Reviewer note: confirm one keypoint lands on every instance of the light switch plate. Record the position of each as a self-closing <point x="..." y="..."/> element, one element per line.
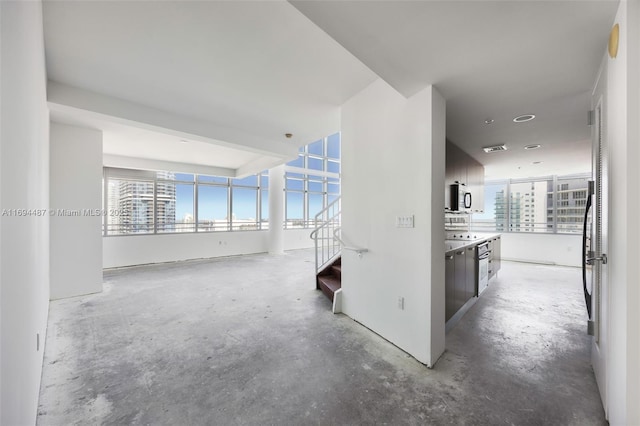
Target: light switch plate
<point x="404" y="221"/>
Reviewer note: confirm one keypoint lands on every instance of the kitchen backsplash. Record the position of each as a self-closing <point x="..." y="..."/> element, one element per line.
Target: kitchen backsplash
<point x="457" y="222"/>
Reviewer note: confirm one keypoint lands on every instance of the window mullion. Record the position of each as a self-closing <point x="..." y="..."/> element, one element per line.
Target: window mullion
<point x="196" y="204"/>
<point x="554" y="200"/>
<point x="155" y="205"/>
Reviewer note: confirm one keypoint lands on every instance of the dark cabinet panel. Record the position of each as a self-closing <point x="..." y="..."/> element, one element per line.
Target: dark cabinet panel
<point x="461" y="279"/>
<point x="472" y="273"/>
<point x="462" y="168"/>
<point x="450" y="280"/>
<point x="461" y="274"/>
<point x="497" y="254"/>
<point x="475" y="185"/>
<point x="494" y="256"/>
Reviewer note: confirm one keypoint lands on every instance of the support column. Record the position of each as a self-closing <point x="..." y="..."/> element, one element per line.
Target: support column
<point x="75" y="197"/>
<point x="276" y="210"/>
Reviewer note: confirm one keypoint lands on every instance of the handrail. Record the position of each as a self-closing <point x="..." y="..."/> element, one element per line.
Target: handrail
<point x="326" y="209"/>
<point x="323" y="225"/>
<point x="329" y="248"/>
<point x="358" y="250"/>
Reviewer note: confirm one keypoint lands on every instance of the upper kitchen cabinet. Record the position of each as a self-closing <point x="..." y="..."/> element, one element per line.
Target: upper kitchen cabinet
<point x="456" y="166"/>
<point x="462" y="168"/>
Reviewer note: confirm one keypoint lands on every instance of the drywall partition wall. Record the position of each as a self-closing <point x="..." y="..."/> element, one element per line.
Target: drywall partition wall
<point x="621" y="134"/>
<point x="1" y="204"/>
<point x="552" y="249"/>
<point x="76" y="216"/>
<point x="633" y="299"/>
<point x="393" y="152"/>
<point x="144" y="249"/>
<point x="24" y="177"/>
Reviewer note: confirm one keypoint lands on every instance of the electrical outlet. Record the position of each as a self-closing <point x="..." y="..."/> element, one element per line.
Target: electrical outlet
<point x="401" y="303"/>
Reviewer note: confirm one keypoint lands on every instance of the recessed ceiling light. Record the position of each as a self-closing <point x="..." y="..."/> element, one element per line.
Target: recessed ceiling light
<point x="523" y="118"/>
<point x="184" y="141"/>
<point x="288" y="135"/>
<point x="495" y="148"/>
<point x="533" y="146"/>
<point x="537" y="162"/>
<point x="489" y="121"/>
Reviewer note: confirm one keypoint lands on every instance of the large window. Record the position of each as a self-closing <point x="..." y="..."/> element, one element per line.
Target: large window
<point x="174" y="202"/>
<point x="244" y="203"/>
<point x="312" y="181"/>
<point x="542" y="205"/>
<point x="144" y="202"/>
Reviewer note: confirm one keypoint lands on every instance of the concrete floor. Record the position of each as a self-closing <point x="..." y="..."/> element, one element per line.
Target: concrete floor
<point x="248" y="340"/>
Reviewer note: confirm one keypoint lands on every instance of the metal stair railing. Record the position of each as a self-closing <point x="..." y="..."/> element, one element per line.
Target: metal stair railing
<point x="338" y="236"/>
<point x="327" y="244"/>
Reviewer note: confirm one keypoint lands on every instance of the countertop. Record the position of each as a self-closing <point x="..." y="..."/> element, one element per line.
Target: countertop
<point x="474" y="239"/>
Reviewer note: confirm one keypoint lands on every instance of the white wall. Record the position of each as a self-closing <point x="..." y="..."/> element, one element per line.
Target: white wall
<point x="24" y="171"/>
<point x="393" y="165"/>
<point x="140" y="250"/>
<point x="76" y="185"/>
<point x="144" y="249"/>
<point x="622" y="134"/>
<point x="554" y="249"/>
<point x="295" y="239"/>
<point x="633" y="300"/>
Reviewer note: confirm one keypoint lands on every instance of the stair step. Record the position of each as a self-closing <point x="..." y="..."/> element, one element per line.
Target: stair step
<point x="337" y="271"/>
<point x="329" y="284"/>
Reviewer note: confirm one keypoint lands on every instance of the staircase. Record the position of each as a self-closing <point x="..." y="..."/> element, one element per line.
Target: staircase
<point x="328" y="280"/>
<point x="328" y="249"/>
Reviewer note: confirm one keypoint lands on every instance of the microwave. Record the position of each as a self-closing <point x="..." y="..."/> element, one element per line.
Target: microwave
<point x="460" y="198"/>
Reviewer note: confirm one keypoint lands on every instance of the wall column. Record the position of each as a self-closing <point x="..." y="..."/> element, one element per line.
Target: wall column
<point x="276" y="210"/>
<point x="76" y="216"/>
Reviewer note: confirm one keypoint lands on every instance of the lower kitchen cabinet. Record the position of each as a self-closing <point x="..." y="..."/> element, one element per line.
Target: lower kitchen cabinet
<point x="472" y="273"/>
<point x="461" y="271"/>
<point x="497" y="254"/>
<point x="494" y="256"/>
<point x="459" y="279"/>
<point x="450" y="279"/>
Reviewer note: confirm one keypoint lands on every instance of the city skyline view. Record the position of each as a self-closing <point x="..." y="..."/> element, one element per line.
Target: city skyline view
<point x="188" y="202"/>
<point x="534" y="205"/>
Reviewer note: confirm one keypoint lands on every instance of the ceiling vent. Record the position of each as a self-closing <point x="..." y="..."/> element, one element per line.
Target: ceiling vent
<point x="495" y="148"/>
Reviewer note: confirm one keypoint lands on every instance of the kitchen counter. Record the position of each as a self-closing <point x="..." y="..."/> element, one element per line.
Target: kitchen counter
<point x="467" y="270"/>
<point x="458" y="241"/>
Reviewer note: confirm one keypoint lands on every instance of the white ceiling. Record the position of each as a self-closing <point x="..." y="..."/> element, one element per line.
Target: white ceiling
<point x="253" y="68"/>
<point x="489" y="59"/>
<point x="264" y="68"/>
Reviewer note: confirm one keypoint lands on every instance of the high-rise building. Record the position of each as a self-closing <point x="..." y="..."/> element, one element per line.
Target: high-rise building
<point x="525" y="209"/>
<point x="571" y="200"/>
<point x="135" y="205"/>
<point x="501" y="211"/>
<point x="530" y="206"/>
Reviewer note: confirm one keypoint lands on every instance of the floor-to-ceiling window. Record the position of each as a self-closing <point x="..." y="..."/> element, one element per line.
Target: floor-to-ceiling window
<point x="146" y="202"/>
<point x="553" y="204"/>
<point x="312" y="182"/>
